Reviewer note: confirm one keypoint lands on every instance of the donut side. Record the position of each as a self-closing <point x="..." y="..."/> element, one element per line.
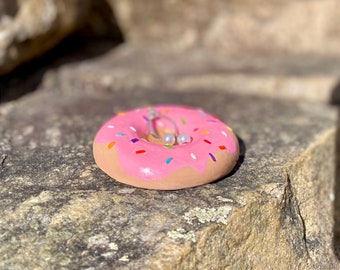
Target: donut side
<point x="219" y="165"/>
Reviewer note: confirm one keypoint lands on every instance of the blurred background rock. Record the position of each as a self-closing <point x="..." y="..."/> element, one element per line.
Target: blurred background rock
<point x="30" y="28"/>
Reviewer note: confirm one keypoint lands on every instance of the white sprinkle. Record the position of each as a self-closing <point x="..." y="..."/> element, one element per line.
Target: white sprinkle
<point x="132" y="128"/>
<point x="193" y="156"/>
<point x="110" y="126"/>
<point x="201" y="112"/>
<point x="146" y="171"/>
<point x="225" y="134"/>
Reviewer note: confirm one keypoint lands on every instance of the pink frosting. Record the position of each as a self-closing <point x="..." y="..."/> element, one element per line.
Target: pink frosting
<point x="150" y="161"/>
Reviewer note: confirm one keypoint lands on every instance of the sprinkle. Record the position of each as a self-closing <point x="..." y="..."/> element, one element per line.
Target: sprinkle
<point x="132" y="128"/>
<point x="222" y="147"/>
<point x="165" y="111"/>
<point x="183" y="121"/>
<point x="140" y="151"/>
<point x="212" y="121"/>
<point x="121" y="113"/>
<point x="111" y="126"/>
<point x="205" y="131"/>
<point x="208" y="142"/>
<point x="110" y="145"/>
<point x="168" y="160"/>
<point x="212" y="157"/>
<point x="224" y="134"/>
<point x="120" y="134"/>
<point x="169" y="146"/>
<point x="196" y="129"/>
<point x="146" y="118"/>
<point x="193" y="156"/>
<point x="134" y="140"/>
<point x="229" y="128"/>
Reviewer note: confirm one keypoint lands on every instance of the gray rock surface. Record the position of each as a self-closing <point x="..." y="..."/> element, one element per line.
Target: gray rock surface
<point x="35" y="27"/>
<point x="59" y="211"/>
<point x="296" y="27"/>
<point x="30" y="28"/>
<point x="275" y="76"/>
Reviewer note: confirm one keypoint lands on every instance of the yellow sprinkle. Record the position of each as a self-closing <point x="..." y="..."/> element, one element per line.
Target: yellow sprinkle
<point x="205" y="131"/>
<point x="121" y="113"/>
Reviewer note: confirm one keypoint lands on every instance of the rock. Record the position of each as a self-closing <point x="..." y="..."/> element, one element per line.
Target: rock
<point x="274" y="76"/>
<point x="32" y="27"/>
<point x="60" y="211"/>
<point x="230" y="26"/>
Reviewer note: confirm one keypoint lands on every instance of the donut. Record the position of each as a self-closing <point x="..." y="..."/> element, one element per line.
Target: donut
<point x="130" y="151"/>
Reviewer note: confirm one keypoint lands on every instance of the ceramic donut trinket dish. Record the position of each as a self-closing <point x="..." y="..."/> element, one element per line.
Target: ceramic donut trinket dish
<point x="165" y="147"/>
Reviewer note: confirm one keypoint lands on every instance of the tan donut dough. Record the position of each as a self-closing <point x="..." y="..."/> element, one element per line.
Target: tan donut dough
<point x="181" y="178"/>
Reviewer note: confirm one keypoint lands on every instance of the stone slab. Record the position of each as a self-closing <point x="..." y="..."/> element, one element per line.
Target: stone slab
<point x="292" y="27"/>
<point x="60" y="211"/>
<point x="295" y="77"/>
<point x="29" y="29"/>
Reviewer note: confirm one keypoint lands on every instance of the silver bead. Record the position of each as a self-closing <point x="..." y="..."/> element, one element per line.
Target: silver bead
<point x="169" y="139"/>
<point x="183" y="138"/>
<point x="152" y="114"/>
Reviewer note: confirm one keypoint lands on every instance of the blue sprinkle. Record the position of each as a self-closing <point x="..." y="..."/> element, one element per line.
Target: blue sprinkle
<point x="145" y="118"/>
<point x="134" y="140"/>
<point x="168" y="160"/>
<point x="120" y="134"/>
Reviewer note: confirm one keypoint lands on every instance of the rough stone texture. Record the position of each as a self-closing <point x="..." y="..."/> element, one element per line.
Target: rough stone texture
<point x="29" y="28"/>
<point x="234" y="26"/>
<point x="275" y="76"/>
<point x="60" y="211"/>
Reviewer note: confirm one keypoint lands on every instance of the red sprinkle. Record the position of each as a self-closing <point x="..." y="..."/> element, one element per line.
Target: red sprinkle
<point x="140" y="151"/>
<point x="196" y="129"/>
<point x="209" y="142"/>
<point x="222" y="147"/>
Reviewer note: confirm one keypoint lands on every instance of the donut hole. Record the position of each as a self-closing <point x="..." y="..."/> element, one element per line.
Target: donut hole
<point x="150" y="138"/>
<point x="162" y="126"/>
